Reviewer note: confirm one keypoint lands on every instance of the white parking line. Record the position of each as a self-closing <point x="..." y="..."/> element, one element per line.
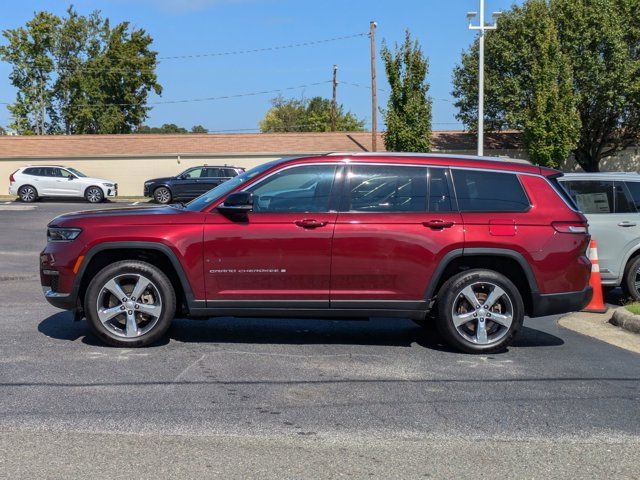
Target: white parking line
<point x="7" y="203"/>
<point x="134" y="203"/>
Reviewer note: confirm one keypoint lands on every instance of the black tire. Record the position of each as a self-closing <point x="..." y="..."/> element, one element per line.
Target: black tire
<point x="162" y="195"/>
<point x="148" y="329"/>
<point x="94" y="194"/>
<point x="28" y="194"/>
<point x="629" y="281"/>
<point x="508" y="304"/>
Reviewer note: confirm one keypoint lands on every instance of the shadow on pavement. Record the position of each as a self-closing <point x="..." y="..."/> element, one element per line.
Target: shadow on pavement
<point x="378" y="331"/>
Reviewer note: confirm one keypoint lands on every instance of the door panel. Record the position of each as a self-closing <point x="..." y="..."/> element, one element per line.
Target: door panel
<point x="280" y="252"/>
<point x="387" y="244"/>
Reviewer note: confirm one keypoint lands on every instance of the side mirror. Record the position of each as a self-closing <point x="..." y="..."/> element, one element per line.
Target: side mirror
<point x="71" y="177"/>
<point x="239" y="202"/>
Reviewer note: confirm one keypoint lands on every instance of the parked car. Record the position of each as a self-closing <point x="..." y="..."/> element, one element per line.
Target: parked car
<point x="33" y="182"/>
<point x="190" y="184"/>
<point x="474" y="244"/>
<point x="611" y="203"/>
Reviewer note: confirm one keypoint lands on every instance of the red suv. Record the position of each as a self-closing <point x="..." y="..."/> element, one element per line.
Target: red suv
<point x="473" y="244"/>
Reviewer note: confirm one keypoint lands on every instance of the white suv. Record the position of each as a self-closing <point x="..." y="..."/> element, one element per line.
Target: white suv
<point x="33" y="182"/>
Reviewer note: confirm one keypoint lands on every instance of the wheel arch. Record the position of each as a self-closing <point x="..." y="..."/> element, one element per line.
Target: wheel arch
<point x="157" y="254"/>
<point x="507" y="262"/>
<point x="93" y="185"/>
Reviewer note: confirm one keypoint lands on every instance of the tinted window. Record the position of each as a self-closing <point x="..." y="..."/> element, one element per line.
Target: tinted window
<point x="48" y="172"/>
<point x="592" y="196"/>
<point x="634" y="190"/>
<point x="211" y="172"/>
<point x="193" y="173"/>
<point x="33" y="171"/>
<point x="299" y="189"/>
<point x="479" y="191"/>
<point x="228" y="172"/>
<point x="439" y="197"/>
<point x="623" y="203"/>
<point x="379" y="188"/>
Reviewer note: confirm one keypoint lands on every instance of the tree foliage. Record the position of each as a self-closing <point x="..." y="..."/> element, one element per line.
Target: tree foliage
<point x="307" y="115"/>
<point x="566" y="73"/>
<point x="408" y="112"/>
<point x="78" y="74"/>
<point x="171" y="128"/>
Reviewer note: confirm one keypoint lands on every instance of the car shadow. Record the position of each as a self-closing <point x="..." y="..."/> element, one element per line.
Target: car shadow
<point x="378" y="331"/>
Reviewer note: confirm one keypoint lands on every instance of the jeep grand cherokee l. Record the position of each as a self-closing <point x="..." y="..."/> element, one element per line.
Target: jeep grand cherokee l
<point x="474" y="244"/>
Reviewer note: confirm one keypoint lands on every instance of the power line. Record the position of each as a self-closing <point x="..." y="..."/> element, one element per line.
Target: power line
<point x="213" y="54"/>
<point x="191" y="100"/>
<point x="354" y="84"/>
<point x="266" y="49"/>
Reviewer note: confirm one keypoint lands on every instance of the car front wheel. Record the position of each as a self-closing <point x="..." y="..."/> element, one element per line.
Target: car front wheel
<point x="94" y="195"/>
<point x="479" y="311"/>
<point x="130" y="304"/>
<point x="162" y="195"/>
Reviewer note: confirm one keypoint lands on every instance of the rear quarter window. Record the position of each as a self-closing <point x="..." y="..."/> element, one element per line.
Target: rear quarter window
<point x="481" y="191"/>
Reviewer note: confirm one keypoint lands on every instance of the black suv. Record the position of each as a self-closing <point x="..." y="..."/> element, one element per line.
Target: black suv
<point x="190" y="184"/>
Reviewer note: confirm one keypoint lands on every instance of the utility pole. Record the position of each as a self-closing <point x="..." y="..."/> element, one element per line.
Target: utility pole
<point x="334" y="103"/>
<point x="481" y="27"/>
<point x="374" y="90"/>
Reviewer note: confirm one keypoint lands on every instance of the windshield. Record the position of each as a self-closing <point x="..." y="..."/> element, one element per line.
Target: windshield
<point x="76" y="172"/>
<point x="221" y="190"/>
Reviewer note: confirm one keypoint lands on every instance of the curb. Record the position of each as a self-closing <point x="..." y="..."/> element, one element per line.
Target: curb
<point x="623" y="318"/>
<point x="599" y="326"/>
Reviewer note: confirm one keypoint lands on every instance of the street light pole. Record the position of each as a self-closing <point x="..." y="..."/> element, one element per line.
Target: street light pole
<point x="481" y="27"/>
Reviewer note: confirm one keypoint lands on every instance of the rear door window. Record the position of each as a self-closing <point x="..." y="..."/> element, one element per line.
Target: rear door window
<point x="36" y="171"/>
<point x="482" y="191"/>
<point x="439" y="195"/>
<point x="623" y="203"/>
<point x="386" y="188"/>
<point x="592" y="196"/>
<point x="634" y="191"/>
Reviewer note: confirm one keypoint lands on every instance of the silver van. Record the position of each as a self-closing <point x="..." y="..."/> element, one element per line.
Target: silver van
<point x="611" y="203"/>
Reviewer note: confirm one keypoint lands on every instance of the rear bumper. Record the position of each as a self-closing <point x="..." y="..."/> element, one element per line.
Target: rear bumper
<point x="554" y="303"/>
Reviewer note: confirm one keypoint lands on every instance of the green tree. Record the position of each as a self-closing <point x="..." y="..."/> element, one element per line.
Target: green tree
<point x="199" y="129"/>
<point x="566" y="73"/>
<point x="165" y="128"/>
<point x="307" y="115"/>
<point x="78" y="75"/>
<point x="408" y="112"/>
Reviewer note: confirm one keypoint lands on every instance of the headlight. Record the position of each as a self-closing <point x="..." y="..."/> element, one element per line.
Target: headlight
<point x="55" y="234"/>
<point x="108" y="185"/>
<point x="147" y="183"/>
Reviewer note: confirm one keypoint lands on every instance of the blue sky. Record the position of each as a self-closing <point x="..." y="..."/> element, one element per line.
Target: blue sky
<point x="183" y="27"/>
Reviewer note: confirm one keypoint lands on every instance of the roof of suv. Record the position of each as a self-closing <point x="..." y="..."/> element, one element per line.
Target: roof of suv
<point x="634" y="176"/>
<point x="444" y="159"/>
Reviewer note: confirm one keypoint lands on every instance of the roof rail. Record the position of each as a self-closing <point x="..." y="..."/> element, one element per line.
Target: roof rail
<point x="427" y="155"/>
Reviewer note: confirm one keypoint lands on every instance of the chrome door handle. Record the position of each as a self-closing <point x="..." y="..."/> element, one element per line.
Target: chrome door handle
<point x="627" y="224"/>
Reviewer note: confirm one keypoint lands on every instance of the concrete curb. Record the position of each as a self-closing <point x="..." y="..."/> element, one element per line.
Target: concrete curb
<point x="623" y="318"/>
<point x="598" y="326"/>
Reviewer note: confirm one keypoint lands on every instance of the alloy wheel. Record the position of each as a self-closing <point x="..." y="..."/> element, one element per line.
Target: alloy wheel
<point x="163" y="195"/>
<point x="482" y="313"/>
<point x="129" y="305"/>
<point x="94" y="195"/>
<point x="27" y="194"/>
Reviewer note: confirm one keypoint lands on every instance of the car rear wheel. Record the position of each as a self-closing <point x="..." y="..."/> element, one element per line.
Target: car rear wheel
<point x="479" y="311"/>
<point x="28" y="194"/>
<point x="162" y="195"/>
<point x="94" y="195"/>
<point x="130" y="304"/>
<point x="631" y="281"/>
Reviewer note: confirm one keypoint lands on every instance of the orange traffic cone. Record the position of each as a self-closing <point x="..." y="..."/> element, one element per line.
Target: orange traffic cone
<point x="596" y="305"/>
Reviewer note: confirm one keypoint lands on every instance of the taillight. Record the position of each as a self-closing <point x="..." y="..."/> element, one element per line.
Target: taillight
<point x="570" y="227"/>
<point x="11" y="179"/>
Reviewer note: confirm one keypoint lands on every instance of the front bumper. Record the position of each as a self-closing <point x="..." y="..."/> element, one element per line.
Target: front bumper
<point x="112" y="191"/>
<point x="555" y="303"/>
<point x="65" y="301"/>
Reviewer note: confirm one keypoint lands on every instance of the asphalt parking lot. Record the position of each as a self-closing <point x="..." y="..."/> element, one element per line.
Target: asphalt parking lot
<point x="297" y="398"/>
